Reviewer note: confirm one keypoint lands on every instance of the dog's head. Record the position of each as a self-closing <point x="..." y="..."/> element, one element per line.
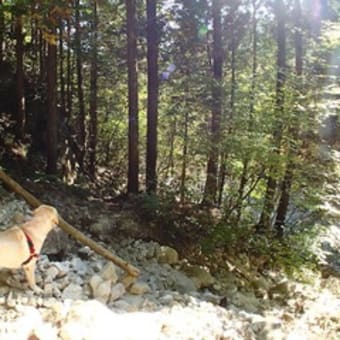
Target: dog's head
<point x="47" y="212"/>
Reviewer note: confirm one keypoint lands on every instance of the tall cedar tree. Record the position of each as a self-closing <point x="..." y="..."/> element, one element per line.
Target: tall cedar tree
<point x="265" y="222"/>
<point x="152" y="56"/>
<point x="93" y="95"/>
<point x="52" y="121"/>
<point x="133" y="166"/>
<point x="61" y="70"/>
<point x="81" y="115"/>
<point x="2" y="30"/>
<point x="246" y="160"/>
<point x="289" y="173"/>
<point x="20" y="90"/>
<point x="211" y="181"/>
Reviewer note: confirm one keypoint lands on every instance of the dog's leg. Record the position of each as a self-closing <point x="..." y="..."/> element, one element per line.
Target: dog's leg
<point x="30" y="275"/>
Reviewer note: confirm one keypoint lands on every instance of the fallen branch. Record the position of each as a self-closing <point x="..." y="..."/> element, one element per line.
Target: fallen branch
<point x="78" y="235"/>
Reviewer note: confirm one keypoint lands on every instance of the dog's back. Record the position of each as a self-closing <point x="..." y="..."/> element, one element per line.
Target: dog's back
<point x="13" y="248"/>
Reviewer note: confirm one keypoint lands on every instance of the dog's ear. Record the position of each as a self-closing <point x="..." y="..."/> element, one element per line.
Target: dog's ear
<point x="49" y="211"/>
<point x="36" y="211"/>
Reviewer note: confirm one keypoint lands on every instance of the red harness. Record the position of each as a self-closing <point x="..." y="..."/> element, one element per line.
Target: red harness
<point x="31" y="248"/>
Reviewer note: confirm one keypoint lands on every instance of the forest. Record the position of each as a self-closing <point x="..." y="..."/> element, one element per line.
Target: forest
<point x="188" y="152"/>
<point x="218" y="118"/>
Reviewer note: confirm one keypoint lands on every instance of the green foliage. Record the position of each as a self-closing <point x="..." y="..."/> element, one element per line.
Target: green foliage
<point x="293" y="254"/>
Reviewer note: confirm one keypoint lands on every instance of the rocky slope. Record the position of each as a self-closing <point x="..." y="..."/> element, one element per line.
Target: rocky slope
<point x="86" y="297"/>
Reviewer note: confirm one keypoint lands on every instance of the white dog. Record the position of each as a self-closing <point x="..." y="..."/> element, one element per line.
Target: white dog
<point x="20" y="245"/>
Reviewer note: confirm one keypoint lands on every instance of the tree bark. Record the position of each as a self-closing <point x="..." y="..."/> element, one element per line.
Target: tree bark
<point x="184" y="151"/>
<point x="212" y="167"/>
<point x="265" y="222"/>
<point x="61" y="71"/>
<point x="20" y="86"/>
<point x="282" y="208"/>
<point x="2" y="31"/>
<point x="224" y="153"/>
<point x="69" y="73"/>
<point x="42" y="57"/>
<point x="92" y="143"/>
<point x="52" y="119"/>
<point x="152" y="114"/>
<point x="79" y="236"/>
<point x="246" y="160"/>
<point x="81" y="104"/>
<point x="133" y="166"/>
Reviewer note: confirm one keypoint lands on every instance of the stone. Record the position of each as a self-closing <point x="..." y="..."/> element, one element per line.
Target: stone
<point x="168" y="255"/>
<point x="48" y="289"/>
<point x="57" y="242"/>
<point x="128" y="280"/>
<point x="72" y="291"/>
<point x="102" y="291"/>
<point x="103" y="226"/>
<point x="122" y="305"/>
<point x="134" y="301"/>
<point x="182" y="283"/>
<point x="51" y="273"/>
<point x="166" y="299"/>
<point x="201" y="276"/>
<point x="109" y="272"/>
<point x="139" y="288"/>
<point x="79" y="266"/>
<point x="62" y="267"/>
<point x="117" y="291"/>
<point x="246" y="301"/>
<point x="95" y="281"/>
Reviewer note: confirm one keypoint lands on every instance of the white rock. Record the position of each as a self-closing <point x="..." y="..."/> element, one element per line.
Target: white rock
<point x="122" y="306"/>
<point x="79" y="266"/>
<point x="95" y="281"/>
<point x="48" y="289"/>
<point x="103" y="291"/>
<point x="72" y="291"/>
<point x="117" y="291"/>
<point x="139" y="288"/>
<point x="134" y="301"/>
<point x="51" y="273"/>
<point x="109" y="272"/>
<point x="166" y="299"/>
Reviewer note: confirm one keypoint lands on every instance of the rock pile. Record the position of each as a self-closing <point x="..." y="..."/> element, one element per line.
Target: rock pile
<point x="86" y="297"/>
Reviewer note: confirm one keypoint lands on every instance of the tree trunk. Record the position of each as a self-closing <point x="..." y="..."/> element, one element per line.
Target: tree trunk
<point x="93" y="96"/>
<point x="265" y="222"/>
<point x="246" y="161"/>
<point x="42" y="57"/>
<point x="224" y="155"/>
<point x="69" y="73"/>
<point x="133" y="167"/>
<point x="2" y="31"/>
<point x="52" y="121"/>
<point x="20" y="86"/>
<point x="34" y="38"/>
<point x="282" y="208"/>
<point x="211" y="181"/>
<point x="61" y="71"/>
<point x="152" y="114"/>
<point x="81" y="116"/>
<point x="184" y="152"/>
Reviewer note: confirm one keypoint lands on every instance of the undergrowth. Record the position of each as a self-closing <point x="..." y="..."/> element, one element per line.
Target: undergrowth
<point x="188" y="225"/>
